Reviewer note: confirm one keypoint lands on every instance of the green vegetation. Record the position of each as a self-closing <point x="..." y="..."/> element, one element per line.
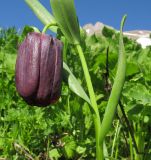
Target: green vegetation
<point x="59" y="130"/>
<point x="66" y="130"/>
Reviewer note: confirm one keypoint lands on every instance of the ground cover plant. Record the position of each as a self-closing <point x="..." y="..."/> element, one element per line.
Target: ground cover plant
<point x="72" y="128"/>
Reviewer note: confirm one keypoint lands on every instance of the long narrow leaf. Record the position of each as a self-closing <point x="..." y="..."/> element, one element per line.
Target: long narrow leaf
<point x="65" y="14"/>
<point x="117" y="87"/>
<point x="42" y="13"/>
<point x="74" y="84"/>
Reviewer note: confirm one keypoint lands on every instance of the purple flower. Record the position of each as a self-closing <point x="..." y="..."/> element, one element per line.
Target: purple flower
<point x="39" y="69"/>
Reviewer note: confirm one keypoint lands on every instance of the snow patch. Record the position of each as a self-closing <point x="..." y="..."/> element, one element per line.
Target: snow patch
<point x="144" y="41"/>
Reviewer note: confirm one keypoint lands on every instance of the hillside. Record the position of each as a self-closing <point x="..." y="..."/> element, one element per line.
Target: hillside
<point x="140" y="36"/>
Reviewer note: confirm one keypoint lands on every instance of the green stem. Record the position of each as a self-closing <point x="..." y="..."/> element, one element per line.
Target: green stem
<point x="140" y="141"/>
<point x="47" y="27"/>
<point x="117" y="130"/>
<point x="96" y="116"/>
<point x="131" y="147"/>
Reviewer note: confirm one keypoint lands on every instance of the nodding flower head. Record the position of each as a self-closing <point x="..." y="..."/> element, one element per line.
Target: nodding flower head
<point x="39" y="69"/>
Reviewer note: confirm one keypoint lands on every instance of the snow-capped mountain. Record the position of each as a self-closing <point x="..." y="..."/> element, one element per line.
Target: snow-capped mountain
<point x="140" y="36"/>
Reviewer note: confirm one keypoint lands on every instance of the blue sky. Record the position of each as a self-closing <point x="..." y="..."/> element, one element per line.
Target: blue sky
<point x="17" y="13"/>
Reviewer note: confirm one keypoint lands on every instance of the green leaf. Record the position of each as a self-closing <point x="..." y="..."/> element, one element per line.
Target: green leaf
<point x="146" y="119"/>
<point x="88" y="120"/>
<point x="74" y="84"/>
<point x="131" y="69"/>
<point x="54" y="154"/>
<point x="10" y="60"/>
<point x="108" y="32"/>
<point x="41" y="12"/>
<point x="146" y="111"/>
<point x="117" y="87"/>
<point x="65" y="14"/>
<point x="134" y="109"/>
<point x="80" y="149"/>
<point x="70" y="146"/>
<point x="91" y="40"/>
<point x="138" y="92"/>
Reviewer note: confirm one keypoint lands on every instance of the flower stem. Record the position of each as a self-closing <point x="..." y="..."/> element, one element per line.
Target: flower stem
<point x="47" y="27"/>
<point x="96" y="116"/>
